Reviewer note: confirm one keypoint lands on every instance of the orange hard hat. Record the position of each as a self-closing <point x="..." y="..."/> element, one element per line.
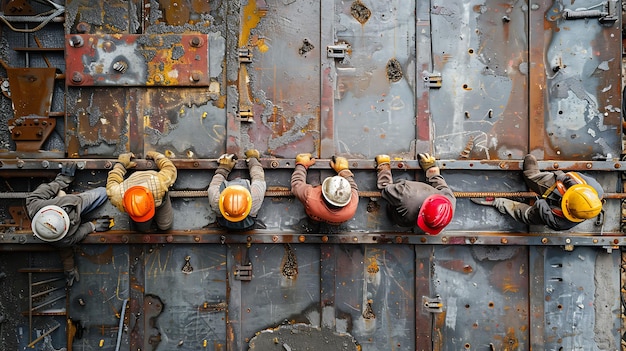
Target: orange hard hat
<point x="436" y="212"/>
<point x="139" y="203"/>
<point x="235" y="203"/>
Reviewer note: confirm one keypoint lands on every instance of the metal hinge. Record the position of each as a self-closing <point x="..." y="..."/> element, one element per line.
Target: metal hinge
<point x="338" y="51"/>
<point x="245" y="115"/>
<point x="243" y="272"/>
<point x="433" y="79"/>
<point x="432" y="304"/>
<point x="245" y="55"/>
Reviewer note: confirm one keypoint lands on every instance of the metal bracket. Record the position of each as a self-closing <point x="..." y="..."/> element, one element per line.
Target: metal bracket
<point x="245" y="115"/>
<point x="243" y="272"/>
<point x="245" y="55"/>
<point x="432" y="304"/>
<point x="608" y="14"/>
<point x="433" y="80"/>
<point x="337" y="51"/>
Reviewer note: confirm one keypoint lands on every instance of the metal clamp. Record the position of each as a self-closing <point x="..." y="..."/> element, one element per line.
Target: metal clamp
<point x="433" y="79"/>
<point x="245" y="55"/>
<point x="432" y="304"/>
<point x="243" y="272"/>
<point x="338" y="51"/>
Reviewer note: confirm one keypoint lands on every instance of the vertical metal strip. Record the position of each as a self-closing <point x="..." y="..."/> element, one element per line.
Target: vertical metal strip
<point x="423" y="320"/>
<point x="328" y="81"/>
<point x="233" y="16"/>
<point x="137" y="281"/>
<point x="234" y="297"/>
<point x="136" y="123"/>
<point x="423" y="70"/>
<point x="328" y="277"/>
<point x="536" y="262"/>
<point x="537" y="94"/>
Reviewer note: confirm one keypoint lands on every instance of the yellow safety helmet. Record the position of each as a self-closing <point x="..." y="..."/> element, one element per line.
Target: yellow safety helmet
<point x="235" y="203"/>
<point x="581" y="202"/>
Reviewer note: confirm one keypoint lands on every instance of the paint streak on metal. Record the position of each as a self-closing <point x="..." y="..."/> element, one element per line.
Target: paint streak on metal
<point x="252" y="15"/>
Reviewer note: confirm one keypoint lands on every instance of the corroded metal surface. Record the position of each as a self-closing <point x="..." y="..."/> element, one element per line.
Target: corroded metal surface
<point x="136" y="60"/>
<point x="478" y="84"/>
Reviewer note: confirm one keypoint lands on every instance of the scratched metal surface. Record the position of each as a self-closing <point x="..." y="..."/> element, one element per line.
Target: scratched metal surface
<point x="516" y="77"/>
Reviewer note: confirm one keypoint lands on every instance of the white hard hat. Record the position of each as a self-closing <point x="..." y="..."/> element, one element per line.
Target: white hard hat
<point x="50" y="223"/>
<point x="337" y="190"/>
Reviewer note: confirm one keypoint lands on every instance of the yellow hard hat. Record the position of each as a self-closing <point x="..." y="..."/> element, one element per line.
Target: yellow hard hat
<point x="235" y="203"/>
<point x="581" y="202"/>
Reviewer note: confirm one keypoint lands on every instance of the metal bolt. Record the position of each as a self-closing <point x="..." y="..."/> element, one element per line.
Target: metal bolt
<point x="195" y="76"/>
<point x="76" y="41"/>
<point x="77" y="77"/>
<point x="45" y="164"/>
<point x="274" y="164"/>
<point x="120" y="66"/>
<point x="195" y="42"/>
<point x="83" y="27"/>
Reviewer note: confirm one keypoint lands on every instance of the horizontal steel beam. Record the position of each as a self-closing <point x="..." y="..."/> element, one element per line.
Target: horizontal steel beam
<point x="360" y="164"/>
<point x="609" y="241"/>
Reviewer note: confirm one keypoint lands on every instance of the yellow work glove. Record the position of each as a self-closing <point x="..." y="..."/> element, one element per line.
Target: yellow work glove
<point x="305" y="159"/>
<point x="125" y="160"/>
<point x="253" y="153"/>
<point x="227" y="161"/>
<point x="339" y="163"/>
<point x="383" y="162"/>
<point x="426" y="161"/>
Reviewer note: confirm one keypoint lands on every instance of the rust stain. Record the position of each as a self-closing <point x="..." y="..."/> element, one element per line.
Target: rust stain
<point x="373" y="268"/>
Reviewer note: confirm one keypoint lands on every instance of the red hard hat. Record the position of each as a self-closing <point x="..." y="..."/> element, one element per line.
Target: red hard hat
<point x="436" y="212"/>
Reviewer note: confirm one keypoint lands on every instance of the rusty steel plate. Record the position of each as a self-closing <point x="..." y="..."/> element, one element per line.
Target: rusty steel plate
<point x="137" y="60"/>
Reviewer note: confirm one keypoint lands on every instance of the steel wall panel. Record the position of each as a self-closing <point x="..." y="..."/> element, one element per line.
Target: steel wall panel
<point x="374" y="107"/>
<point x="97" y="299"/>
<point x="575" y="299"/>
<point x="279" y="96"/>
<point x="484" y="291"/>
<point x="191" y="284"/>
<point x="576" y="79"/>
<point x="480" y="49"/>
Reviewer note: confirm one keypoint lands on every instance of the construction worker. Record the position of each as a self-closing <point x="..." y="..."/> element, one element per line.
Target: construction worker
<point x="236" y="202"/>
<point x="334" y="201"/>
<point x="566" y="198"/>
<point x="56" y="217"/>
<point x="430" y="205"/>
<point x="144" y="194"/>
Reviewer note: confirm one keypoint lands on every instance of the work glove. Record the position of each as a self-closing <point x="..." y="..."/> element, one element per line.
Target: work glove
<point x="428" y="164"/>
<point x="227" y="161"/>
<point x="383" y="162"/>
<point x="125" y="160"/>
<point x="102" y="224"/>
<point x="426" y="161"/>
<point x="305" y="159"/>
<point x="153" y="155"/>
<point x="63" y="180"/>
<point x="71" y="276"/>
<point x="68" y="169"/>
<point x="253" y="153"/>
<point x="338" y="163"/>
